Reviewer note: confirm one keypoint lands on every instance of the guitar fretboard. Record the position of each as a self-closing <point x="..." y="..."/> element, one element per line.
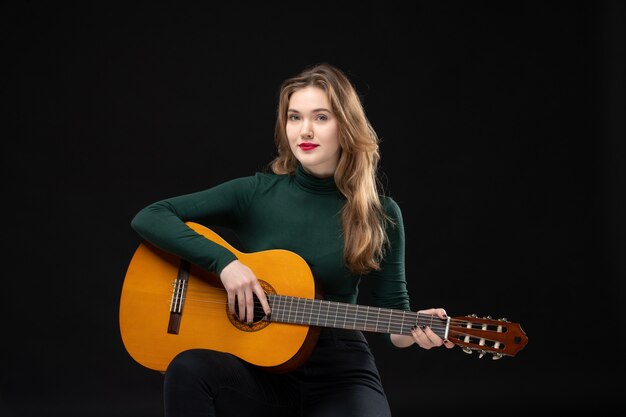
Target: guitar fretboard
<point x="314" y="312"/>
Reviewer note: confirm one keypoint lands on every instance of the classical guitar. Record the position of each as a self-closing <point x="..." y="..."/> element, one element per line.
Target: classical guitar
<point x="168" y="305"/>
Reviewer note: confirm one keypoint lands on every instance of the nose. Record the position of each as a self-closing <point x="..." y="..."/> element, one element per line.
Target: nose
<point x="306" y="132"/>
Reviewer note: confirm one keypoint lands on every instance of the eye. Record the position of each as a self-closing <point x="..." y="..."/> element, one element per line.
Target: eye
<point x="322" y="117"/>
<point x="293" y="117"/>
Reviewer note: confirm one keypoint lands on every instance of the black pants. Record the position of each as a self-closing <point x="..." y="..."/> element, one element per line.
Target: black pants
<point x="339" y="379"/>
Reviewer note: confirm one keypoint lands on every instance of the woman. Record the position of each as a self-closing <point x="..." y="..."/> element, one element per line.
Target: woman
<point x="321" y="201"/>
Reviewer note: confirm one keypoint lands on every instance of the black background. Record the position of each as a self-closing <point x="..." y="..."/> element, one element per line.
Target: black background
<point x="502" y="127"/>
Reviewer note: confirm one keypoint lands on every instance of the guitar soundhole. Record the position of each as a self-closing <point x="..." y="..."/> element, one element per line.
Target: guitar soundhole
<point x="258" y="322"/>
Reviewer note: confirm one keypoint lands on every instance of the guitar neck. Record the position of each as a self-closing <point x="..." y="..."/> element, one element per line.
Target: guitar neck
<point x="322" y="313"/>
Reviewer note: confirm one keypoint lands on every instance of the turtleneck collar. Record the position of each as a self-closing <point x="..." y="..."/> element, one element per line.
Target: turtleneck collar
<point x="314" y="184"/>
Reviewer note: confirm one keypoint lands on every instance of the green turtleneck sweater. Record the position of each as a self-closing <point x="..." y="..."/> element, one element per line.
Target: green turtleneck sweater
<point x="300" y="213"/>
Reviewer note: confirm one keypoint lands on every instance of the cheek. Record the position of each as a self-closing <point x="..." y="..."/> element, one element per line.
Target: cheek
<point x="292" y="133"/>
<point x="331" y="137"/>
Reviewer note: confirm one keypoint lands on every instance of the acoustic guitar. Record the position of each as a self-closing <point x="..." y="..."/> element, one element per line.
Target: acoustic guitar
<point x="168" y="305"/>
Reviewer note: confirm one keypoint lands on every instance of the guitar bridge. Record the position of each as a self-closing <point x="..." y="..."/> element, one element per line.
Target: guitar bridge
<point x="178" y="297"/>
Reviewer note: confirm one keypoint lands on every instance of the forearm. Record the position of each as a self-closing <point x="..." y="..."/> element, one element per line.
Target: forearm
<point x="161" y="225"/>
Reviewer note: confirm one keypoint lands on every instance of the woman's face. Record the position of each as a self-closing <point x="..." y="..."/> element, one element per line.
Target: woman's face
<point x="313" y="131"/>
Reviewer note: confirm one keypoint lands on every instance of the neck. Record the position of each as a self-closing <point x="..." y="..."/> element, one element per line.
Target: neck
<point x="319" y="172"/>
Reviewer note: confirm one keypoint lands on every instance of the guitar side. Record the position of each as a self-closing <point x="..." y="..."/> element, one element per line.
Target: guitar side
<point x="146" y="301"/>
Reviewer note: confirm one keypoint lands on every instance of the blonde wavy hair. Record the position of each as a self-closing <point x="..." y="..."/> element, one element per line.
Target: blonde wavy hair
<point x="363" y="217"/>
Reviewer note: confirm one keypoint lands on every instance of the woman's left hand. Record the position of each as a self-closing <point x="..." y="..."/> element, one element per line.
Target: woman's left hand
<point x="425" y="337"/>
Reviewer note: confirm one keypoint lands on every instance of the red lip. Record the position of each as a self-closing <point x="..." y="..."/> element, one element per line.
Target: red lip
<point x="307" y="146"/>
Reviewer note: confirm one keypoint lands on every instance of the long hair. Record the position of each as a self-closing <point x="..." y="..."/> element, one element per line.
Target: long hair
<point x="362" y="216"/>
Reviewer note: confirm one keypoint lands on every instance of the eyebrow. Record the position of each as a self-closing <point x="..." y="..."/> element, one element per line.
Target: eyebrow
<point x="313" y="111"/>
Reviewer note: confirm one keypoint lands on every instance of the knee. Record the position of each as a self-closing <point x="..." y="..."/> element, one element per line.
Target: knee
<point x="198" y="365"/>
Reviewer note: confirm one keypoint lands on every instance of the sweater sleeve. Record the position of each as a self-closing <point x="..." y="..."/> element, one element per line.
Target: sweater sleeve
<point x="163" y="223"/>
<point x="389" y="288"/>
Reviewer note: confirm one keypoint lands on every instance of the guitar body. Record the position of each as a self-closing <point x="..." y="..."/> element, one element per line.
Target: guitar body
<point x="145" y="309"/>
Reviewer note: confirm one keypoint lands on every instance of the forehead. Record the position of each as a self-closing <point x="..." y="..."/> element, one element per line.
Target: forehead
<point x="308" y="99"/>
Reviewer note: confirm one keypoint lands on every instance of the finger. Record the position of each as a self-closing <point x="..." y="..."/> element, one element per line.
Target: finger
<point x="241" y="303"/>
<point x="447" y="343"/>
<point x="439" y="312"/>
<point x="415" y="335"/>
<point x="260" y="293"/>
<point x="432" y="337"/>
<point x="249" y="306"/>
<point x="420" y="338"/>
<point x="231" y="302"/>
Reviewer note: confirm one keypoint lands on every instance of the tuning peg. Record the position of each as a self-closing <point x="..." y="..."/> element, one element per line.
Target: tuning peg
<point x="503" y="319"/>
<point x="496" y="356"/>
<point x="487" y="317"/>
<point x="467" y="350"/>
<point x="481" y="354"/>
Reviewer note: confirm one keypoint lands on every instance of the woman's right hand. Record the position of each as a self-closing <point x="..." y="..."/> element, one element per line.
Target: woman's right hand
<point x="241" y="285"/>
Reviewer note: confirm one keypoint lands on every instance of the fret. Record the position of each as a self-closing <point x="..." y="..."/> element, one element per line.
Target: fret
<point x="412" y="317"/>
<point x="396" y="328"/>
<point x="311" y="312"/>
<point x="319" y="312"/>
<point x="295" y="320"/>
<point x="347" y="317"/>
<point x="359" y="322"/>
<point x="307" y="309"/>
<point x="356" y="314"/>
<point x="289" y="313"/>
<point x="313" y="306"/>
<point x="303" y="311"/>
<point x="389" y="328"/>
<point x="396" y="322"/>
<point x="319" y="309"/>
<point x="284" y="316"/>
<point x="283" y="307"/>
<point x="328" y="306"/>
<point x="388" y="313"/>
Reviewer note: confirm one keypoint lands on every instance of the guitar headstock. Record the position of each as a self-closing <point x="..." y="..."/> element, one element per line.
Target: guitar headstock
<point x="499" y="337"/>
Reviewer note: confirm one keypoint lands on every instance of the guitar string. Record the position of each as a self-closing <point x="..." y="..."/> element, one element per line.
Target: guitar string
<point x="395" y="322"/>
<point x="460" y="322"/>
<point x="258" y="309"/>
<point x="290" y="299"/>
<point x="458" y="330"/>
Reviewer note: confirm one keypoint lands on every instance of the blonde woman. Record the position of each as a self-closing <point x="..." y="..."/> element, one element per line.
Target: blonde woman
<point x="320" y="199"/>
